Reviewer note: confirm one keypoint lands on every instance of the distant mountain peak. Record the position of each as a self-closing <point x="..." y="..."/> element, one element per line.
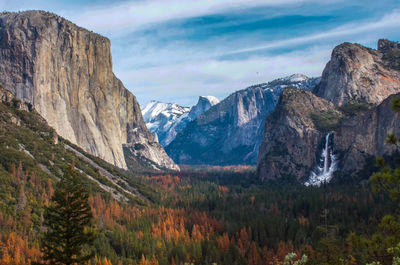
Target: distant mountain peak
<point x="203" y="104"/>
<point x="166" y="120"/>
<point x="297" y="78"/>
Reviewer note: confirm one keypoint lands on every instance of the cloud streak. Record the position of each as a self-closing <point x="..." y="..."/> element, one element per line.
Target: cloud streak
<point x="135" y="14"/>
<point x="390" y="21"/>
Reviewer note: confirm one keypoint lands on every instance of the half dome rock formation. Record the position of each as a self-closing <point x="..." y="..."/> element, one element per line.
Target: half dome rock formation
<point x="359" y="74"/>
<point x="66" y="73"/>
<point x="293" y="134"/>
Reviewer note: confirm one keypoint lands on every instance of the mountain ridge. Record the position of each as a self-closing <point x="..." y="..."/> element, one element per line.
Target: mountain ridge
<point x="230" y="132"/>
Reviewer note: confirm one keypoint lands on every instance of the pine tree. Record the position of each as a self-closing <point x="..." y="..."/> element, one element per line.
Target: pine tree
<point x="68" y="220"/>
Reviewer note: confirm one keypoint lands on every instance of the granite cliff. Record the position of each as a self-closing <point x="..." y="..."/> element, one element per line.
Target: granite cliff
<point x="359" y="74"/>
<point x="65" y="72"/>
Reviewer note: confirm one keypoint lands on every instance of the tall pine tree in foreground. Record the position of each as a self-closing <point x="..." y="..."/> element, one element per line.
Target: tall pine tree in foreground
<point x="68" y="220"/>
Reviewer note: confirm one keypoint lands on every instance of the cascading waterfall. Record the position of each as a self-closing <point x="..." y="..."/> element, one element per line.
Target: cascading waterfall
<point x="324" y="171"/>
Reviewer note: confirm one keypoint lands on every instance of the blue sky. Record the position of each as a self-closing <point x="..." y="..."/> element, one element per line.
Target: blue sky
<point x="176" y="50"/>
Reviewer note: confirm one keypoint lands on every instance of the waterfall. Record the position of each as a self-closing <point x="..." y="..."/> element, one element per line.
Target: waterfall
<point x="323" y="172"/>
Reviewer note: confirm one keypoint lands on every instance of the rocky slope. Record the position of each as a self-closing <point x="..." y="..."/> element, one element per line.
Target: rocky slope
<point x="308" y="134"/>
<point x="65" y="72"/>
<point x="356" y="73"/>
<point x="166" y="120"/>
<point x="231" y="131"/>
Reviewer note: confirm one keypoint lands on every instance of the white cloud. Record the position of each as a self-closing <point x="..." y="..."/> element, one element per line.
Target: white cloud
<point x="138" y="13"/>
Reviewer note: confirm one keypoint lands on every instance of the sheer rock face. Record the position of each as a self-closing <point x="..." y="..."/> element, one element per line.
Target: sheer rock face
<point x="291" y="137"/>
<point x="361" y="138"/>
<point x="66" y="73"/>
<point x="356" y="73"/>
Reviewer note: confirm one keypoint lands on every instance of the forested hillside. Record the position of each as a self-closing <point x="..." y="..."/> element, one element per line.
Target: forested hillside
<point x="220" y="215"/>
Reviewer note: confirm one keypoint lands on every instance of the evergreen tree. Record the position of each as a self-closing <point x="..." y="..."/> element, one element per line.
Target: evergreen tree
<point x="68" y="220"/>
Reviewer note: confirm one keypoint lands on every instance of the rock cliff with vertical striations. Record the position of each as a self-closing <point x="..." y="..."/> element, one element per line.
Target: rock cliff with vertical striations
<point x="66" y="73"/>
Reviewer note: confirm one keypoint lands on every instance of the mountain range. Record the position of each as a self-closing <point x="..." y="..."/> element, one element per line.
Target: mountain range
<point x="230" y="132"/>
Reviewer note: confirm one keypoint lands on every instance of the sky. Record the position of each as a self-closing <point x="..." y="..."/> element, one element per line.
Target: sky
<point x="177" y="50"/>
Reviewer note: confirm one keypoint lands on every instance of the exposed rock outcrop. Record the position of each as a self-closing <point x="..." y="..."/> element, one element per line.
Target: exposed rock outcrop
<point x="294" y="133"/>
<point x="66" y="73"/>
<point x="356" y="73"/>
<point x="231" y="131"/>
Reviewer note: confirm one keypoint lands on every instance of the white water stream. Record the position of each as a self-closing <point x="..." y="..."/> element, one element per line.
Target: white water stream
<point x="323" y="173"/>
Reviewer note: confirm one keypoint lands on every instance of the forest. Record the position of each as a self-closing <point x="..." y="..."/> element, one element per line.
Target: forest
<point x="202" y="215"/>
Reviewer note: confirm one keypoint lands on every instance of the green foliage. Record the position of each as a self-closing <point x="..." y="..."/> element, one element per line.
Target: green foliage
<point x="396" y="104"/>
<point x="351" y="109"/>
<point x="392" y="59"/>
<point x="326" y="120"/>
<point x="68" y="221"/>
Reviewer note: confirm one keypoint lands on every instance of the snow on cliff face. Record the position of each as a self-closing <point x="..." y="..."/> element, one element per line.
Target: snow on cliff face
<point x="166" y="120"/>
<point x="203" y="104"/>
<point x="160" y="116"/>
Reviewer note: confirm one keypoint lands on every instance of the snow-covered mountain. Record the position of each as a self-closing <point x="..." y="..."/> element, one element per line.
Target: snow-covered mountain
<point x="166" y="120"/>
<point x="231" y="132"/>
